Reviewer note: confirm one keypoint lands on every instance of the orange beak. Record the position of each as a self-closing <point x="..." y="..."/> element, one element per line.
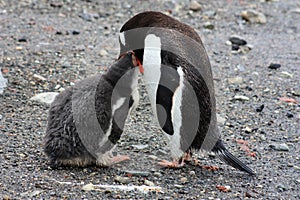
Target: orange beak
<point x="141" y="68"/>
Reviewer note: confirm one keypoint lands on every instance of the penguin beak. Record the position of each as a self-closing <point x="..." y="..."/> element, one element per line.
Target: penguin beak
<point x="141" y="68"/>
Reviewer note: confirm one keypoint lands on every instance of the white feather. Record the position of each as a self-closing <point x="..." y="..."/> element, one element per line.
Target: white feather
<point x="122" y="38"/>
<point x="152" y="65"/>
<point x="176" y="151"/>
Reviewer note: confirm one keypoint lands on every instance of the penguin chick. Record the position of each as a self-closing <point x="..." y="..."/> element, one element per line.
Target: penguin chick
<point x="86" y="120"/>
<point x="178" y="79"/>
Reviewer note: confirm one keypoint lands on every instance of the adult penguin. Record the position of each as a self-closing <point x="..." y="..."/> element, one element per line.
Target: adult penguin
<point x="179" y="82"/>
<point x="86" y="120"/>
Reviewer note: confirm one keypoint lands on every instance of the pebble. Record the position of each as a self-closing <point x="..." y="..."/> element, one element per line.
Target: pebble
<point x="286" y="74"/>
<point x="208" y="25"/>
<point x="260" y="108"/>
<point x="39" y="77"/>
<point x="149" y="183"/>
<point x="235" y="39"/>
<point x="157" y="174"/>
<point x="121" y="179"/>
<point x="22" y="40"/>
<point x="195" y="6"/>
<point x="45" y="97"/>
<point x="3" y="82"/>
<point x="183" y="180"/>
<point x="274" y="66"/>
<point x="289" y="115"/>
<point x="88" y="187"/>
<point x="153" y="157"/>
<point x="192" y="173"/>
<point x="241" y="98"/>
<point x="248" y="129"/>
<point x="280" y="147"/>
<point x="19" y="48"/>
<point x="103" y="53"/>
<point x="140" y="146"/>
<point x="138" y="173"/>
<point x="235" y="80"/>
<point x="253" y="16"/>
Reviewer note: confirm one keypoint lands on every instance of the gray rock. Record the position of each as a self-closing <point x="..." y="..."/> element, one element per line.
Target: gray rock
<point x="45" y="97"/>
<point x="253" y="16"/>
<point x="138" y="173"/>
<point x="208" y="25"/>
<point x="121" y="179"/>
<point x="235" y="39"/>
<point x="195" y="6"/>
<point x="280" y="147"/>
<point x="235" y="80"/>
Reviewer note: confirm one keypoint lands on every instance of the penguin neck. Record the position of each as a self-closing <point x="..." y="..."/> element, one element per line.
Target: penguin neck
<point x="116" y="72"/>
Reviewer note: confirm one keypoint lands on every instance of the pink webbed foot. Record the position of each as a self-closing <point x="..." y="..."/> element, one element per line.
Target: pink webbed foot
<point x="174" y="164"/>
<point x="119" y="158"/>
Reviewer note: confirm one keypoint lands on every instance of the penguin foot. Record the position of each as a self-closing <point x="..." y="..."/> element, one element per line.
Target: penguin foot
<point x="174" y="164"/>
<point x="119" y="158"/>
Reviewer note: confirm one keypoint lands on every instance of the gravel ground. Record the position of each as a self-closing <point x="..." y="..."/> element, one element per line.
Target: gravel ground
<point x="65" y="41"/>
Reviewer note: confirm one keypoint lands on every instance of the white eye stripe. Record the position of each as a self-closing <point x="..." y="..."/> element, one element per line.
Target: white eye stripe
<point x="122" y="38"/>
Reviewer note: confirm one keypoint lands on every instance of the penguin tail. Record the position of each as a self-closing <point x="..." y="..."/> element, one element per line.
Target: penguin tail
<point x="224" y="155"/>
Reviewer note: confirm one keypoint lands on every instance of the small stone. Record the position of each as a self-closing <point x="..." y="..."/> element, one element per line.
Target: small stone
<point x="88" y="187"/>
<point x="296" y="10"/>
<point x="19" y="48"/>
<point x="260" y="108"/>
<point x="153" y="157"/>
<point x="138" y="173"/>
<point x="75" y="32"/>
<point x="6" y="197"/>
<point x="183" y="180"/>
<point x="103" y="53"/>
<point x="157" y="174"/>
<point x="56" y="4"/>
<point x="280" y="147"/>
<point x="22" y="40"/>
<point x="208" y="25"/>
<point x="149" y="183"/>
<point x="195" y="6"/>
<point x="297" y="181"/>
<point x="235" y="39"/>
<point x="140" y="146"/>
<point x="192" y="173"/>
<point x="286" y="74"/>
<point x="289" y="115"/>
<point x="248" y="129"/>
<point x="241" y="98"/>
<point x="39" y="77"/>
<point x="274" y="66"/>
<point x="235" y="80"/>
<point x="178" y="186"/>
<point x="46" y="97"/>
<point x="253" y="16"/>
<point x="121" y="179"/>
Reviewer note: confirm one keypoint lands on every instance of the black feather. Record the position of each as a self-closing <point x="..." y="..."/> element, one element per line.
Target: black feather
<point x="221" y="151"/>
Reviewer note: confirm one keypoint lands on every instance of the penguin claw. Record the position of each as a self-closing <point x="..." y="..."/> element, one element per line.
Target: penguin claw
<point x="119" y="158"/>
<point x="173" y="164"/>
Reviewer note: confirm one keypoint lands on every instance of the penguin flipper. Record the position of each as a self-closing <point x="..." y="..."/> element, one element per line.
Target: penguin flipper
<point x="220" y="150"/>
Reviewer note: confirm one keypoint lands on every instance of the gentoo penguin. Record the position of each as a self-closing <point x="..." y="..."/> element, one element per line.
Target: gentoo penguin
<point x="86" y="120"/>
<point x="178" y="79"/>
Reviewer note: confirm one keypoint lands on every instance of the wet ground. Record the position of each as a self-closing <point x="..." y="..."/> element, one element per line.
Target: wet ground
<point x="65" y="41"/>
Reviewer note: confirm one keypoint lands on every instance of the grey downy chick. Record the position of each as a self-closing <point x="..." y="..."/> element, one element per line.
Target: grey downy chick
<point x="86" y="120"/>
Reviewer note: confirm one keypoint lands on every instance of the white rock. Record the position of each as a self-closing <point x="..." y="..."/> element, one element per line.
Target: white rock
<point x="235" y="80"/>
<point x="286" y="74"/>
<point x="149" y="183"/>
<point x="88" y="187"/>
<point x="3" y="82"/>
<point x="103" y="53"/>
<point x="45" y="97"/>
<point x="254" y="17"/>
<point x="241" y="98"/>
<point x="195" y="6"/>
<point x="39" y="77"/>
